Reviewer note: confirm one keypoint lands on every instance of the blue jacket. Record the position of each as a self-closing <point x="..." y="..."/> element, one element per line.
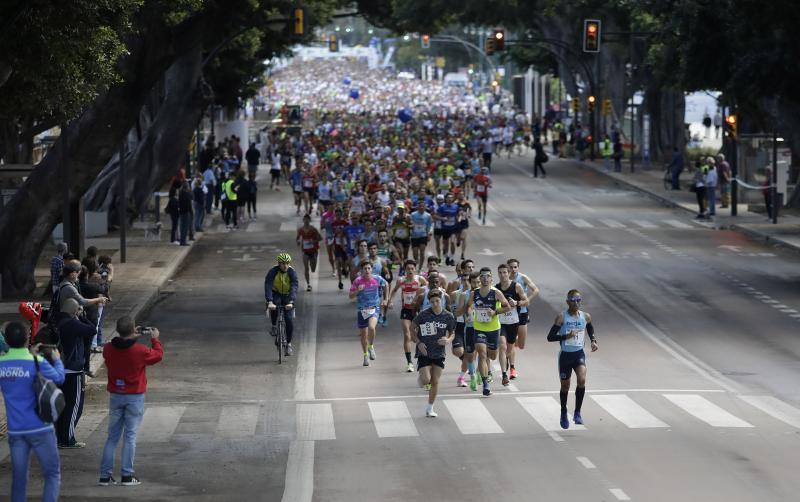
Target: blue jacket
<point x="17" y="372"/>
<point x="268" y="280"/>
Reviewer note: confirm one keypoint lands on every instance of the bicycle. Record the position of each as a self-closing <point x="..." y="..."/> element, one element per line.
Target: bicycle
<point x="279" y="332"/>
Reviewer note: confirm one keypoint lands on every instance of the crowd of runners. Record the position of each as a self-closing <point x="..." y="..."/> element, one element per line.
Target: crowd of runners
<point x="389" y="175"/>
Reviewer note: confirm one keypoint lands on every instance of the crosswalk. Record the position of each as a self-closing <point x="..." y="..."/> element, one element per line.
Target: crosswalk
<point x="600" y="223"/>
<point x="472" y="415"/>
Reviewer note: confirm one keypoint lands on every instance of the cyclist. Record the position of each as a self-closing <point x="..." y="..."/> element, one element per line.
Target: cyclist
<point x="308" y="239"/>
<point x="371" y="293"/>
<point x="569" y="330"/>
<point x="280" y="289"/>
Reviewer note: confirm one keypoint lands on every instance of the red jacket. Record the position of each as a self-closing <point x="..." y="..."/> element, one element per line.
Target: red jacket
<point x="126" y="361"/>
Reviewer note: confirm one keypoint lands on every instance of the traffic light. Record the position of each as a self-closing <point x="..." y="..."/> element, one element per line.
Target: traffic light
<point x="607" y="107"/>
<point x="590" y="101"/>
<point x="731" y="126"/>
<point x="499" y="37"/>
<point x="489" y="47"/>
<point x="333" y="43"/>
<point x="298" y="22"/>
<point x="425" y="40"/>
<point x="591" y="35"/>
<point x="575" y="105"/>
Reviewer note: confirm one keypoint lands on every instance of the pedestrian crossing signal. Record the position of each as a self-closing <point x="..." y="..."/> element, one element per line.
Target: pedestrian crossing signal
<point x="591" y="35"/>
<point x="333" y="43"/>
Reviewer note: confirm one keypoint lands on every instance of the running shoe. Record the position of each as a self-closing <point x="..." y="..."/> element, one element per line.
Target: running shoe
<point x="577" y="418"/>
<point x="486" y="390"/>
<point x="564" y="420"/>
<point x="366" y="361"/>
<point x="473" y="382"/>
<point x="130" y="481"/>
<point x="107" y="481"/>
<point x="72" y="446"/>
<point x="371" y="351"/>
<point x="489" y="378"/>
<point x="505" y="380"/>
<point x="513" y="373"/>
<point x="460" y="382"/>
<point x="431" y="414"/>
<point x="308" y="288"/>
<point x="289" y="350"/>
<point x="341" y="286"/>
<point x="410" y="368"/>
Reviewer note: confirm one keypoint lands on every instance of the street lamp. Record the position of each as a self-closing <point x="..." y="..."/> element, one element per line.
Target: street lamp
<point x="337" y="28"/>
<point x="406" y="38"/>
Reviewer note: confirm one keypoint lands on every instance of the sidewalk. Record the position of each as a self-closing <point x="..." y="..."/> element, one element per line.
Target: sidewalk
<point x="756" y="225"/>
<point x="137" y="284"/>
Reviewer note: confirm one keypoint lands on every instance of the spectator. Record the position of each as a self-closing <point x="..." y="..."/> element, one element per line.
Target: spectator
<point x="106" y="269"/>
<point x="711" y="187"/>
<point x="253" y="157"/>
<point x="91" y="253"/>
<point x="68" y="288"/>
<point x="172" y="211"/>
<point x="724" y="180"/>
<point x="26" y="431"/>
<point x="3" y="344"/>
<point x="199" y="201"/>
<point x="185" y="211"/>
<point x="126" y="361"/>
<point x="57" y="265"/>
<point x="539" y="158"/>
<point x="92" y="285"/>
<point x="618" y="154"/>
<point x="74" y="334"/>
<point x="699" y="188"/>
<point x="717" y="124"/>
<point x="210" y="181"/>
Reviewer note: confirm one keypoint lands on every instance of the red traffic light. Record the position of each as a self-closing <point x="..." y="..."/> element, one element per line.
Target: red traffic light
<point x="591" y="99"/>
<point x="591" y="35"/>
<point x="499" y="37"/>
<point x="731" y="120"/>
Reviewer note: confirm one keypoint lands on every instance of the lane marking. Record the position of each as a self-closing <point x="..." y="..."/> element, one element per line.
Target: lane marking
<point x="645" y="223"/>
<point x="545" y="410"/>
<point x="705" y="410"/>
<point x="581" y="223"/>
<point x="677" y="224"/>
<point x="299" y="481"/>
<point x="315" y="422"/>
<point x="392" y="419"/>
<point x="305" y="373"/>
<point x="612" y="223"/>
<point x="621" y="495"/>
<point x="238" y="421"/>
<point x="556" y="436"/>
<point x="548" y="223"/>
<point x="518" y="222"/>
<point x="775" y="408"/>
<point x="472" y="417"/>
<point x="586" y="463"/>
<point x="159" y="423"/>
<point x="627" y="411"/>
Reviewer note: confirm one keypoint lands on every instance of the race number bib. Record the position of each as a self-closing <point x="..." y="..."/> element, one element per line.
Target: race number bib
<point x="510" y="317"/>
<point x="401" y="233"/>
<point x="577" y="340"/>
<point x="420" y="228"/>
<point x="450" y="221"/>
<point x="308" y="244"/>
<point x="298" y="188"/>
<point x="308" y="183"/>
<point x="408" y="298"/>
<point x="482" y="315"/>
<point x="367" y="312"/>
<point x="480" y="188"/>
<point x="427" y="329"/>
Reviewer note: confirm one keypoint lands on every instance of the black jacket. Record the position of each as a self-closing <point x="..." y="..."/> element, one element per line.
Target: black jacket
<point x="184" y="202"/>
<point x="74" y="334"/>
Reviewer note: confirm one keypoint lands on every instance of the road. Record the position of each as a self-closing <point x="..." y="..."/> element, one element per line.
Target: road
<point x="692" y="395"/>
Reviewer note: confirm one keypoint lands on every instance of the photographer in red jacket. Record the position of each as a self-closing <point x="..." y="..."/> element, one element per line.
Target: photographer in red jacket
<point x="126" y="361"/>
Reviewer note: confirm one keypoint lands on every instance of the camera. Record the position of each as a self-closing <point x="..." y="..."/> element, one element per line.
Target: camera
<point x="46" y="351"/>
<point x="146" y="331"/>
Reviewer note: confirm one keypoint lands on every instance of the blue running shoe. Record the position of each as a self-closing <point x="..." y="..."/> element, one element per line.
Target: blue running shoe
<point x="486" y="390"/>
<point x="564" y="420"/>
<point x="577" y="418"/>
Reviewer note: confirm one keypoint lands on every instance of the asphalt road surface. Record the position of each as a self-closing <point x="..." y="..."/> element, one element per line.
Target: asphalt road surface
<point x="692" y="395"/>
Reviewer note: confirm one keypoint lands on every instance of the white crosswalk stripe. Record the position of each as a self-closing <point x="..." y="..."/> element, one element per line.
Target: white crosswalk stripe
<point x="705" y="410"/>
<point x="775" y="408"/>
<point x="392" y="419"/>
<point x="546" y="411"/>
<point x="612" y="223"/>
<point x="159" y="423"/>
<point x="472" y="417"/>
<point x="627" y="411"/>
<point x="548" y="223"/>
<point x="645" y="223"/>
<point x="677" y="224"/>
<point x="581" y="223"/>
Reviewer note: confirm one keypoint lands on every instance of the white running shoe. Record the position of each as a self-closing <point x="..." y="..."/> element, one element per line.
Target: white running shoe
<point x="371" y="351"/>
<point x="366" y="361"/>
<point x="410" y="368"/>
<point x="430" y="413"/>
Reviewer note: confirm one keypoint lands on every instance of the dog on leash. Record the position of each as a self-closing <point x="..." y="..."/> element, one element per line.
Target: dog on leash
<point x="153" y="232"/>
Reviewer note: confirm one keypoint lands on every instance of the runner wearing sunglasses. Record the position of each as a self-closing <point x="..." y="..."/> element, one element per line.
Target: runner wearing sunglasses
<point x="569" y="329"/>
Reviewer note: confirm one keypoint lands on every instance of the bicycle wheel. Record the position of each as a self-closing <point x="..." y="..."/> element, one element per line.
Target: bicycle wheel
<point x="280" y="338"/>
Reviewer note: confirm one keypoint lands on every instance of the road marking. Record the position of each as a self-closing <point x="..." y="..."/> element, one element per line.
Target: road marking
<point x="546" y="411"/>
<point x="612" y="223"/>
<point x="770" y="301"/>
<point x="548" y="223"/>
<point x="256" y="226"/>
<point x="775" y="408"/>
<point x="518" y="222"/>
<point x="238" y="421"/>
<point x="306" y="371"/>
<point x="299" y="481"/>
<point x="159" y="423"/>
<point x="627" y="411"/>
<point x="315" y="422"/>
<point x="677" y="224"/>
<point x="619" y="494"/>
<point x="645" y="223"/>
<point x="510" y="387"/>
<point x="289" y="226"/>
<point x="586" y="462"/>
<point x="556" y="436"/>
<point x="472" y="417"/>
<point x="705" y="410"/>
<point x="392" y="419"/>
<point x="581" y="223"/>
<point x="488" y="223"/>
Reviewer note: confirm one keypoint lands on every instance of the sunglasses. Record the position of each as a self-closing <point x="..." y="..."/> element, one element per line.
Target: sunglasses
<point x="576" y="300"/>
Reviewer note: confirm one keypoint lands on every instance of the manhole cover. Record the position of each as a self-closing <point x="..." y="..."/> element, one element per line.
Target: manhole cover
<point x="158" y="264"/>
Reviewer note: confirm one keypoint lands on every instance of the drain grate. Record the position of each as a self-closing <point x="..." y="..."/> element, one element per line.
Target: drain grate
<point x="158" y="264"/>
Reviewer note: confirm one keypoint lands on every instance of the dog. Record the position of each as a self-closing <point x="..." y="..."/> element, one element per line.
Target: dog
<point x="153" y="232"/>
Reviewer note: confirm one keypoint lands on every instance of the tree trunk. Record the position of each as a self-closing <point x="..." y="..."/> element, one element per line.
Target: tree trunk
<point x="86" y="144"/>
<point x="667" y="109"/>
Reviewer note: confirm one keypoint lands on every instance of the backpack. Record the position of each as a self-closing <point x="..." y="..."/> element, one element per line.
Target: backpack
<point x="50" y="400"/>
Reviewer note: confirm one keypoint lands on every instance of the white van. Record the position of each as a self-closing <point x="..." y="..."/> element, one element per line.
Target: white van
<point x="456" y="79"/>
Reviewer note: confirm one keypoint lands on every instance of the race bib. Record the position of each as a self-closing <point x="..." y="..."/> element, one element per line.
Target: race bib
<point x="427" y="329"/>
<point x="309" y="244"/>
<point x="577" y="340"/>
<point x="420" y="228"/>
<point x="482" y="315"/>
<point x="367" y="312"/>
<point x="308" y="183"/>
<point x="408" y="298"/>
<point x="450" y="221"/>
<point x="298" y="188"/>
<point x="480" y="188"/>
<point x="401" y="233"/>
<point x="510" y="317"/>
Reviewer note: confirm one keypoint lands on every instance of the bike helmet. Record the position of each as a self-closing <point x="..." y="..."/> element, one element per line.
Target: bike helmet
<point x="284" y="258"/>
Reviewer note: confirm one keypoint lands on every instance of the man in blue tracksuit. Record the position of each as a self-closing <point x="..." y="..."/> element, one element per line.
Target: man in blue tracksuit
<point x="26" y="431"/>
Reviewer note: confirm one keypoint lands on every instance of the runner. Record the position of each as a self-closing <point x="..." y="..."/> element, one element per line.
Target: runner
<point x="421" y="301"/>
<point x="408" y="285"/>
<point x="509" y="321"/>
<point x="296" y="180"/>
<point x="308" y="239"/>
<point x="459" y="307"/>
<point x="432" y="330"/>
<point x="401" y="231"/>
<point x="308" y="181"/>
<point x="448" y="215"/>
<point x="531" y="292"/>
<point x="370" y="292"/>
<point x="326" y="222"/>
<point x="438" y="223"/>
<point x="421" y="226"/>
<point x="569" y="330"/>
<point x="464" y="214"/>
<point x="362" y="255"/>
<point x="484" y="305"/>
<point x="482" y="184"/>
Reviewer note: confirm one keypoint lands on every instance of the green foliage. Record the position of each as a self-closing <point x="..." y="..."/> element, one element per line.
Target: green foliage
<point x="238" y="71"/>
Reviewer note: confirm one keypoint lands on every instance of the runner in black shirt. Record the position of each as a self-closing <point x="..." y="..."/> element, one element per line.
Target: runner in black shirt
<point x="432" y="330"/>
